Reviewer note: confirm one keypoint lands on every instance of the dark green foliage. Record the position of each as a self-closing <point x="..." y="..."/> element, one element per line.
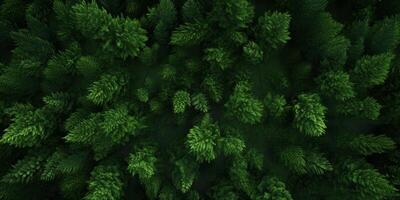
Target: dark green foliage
<point x="106" y="88"/>
<point x="189" y="34"/>
<point x="372" y="70"/>
<point x="29" y="128"/>
<point x="385" y="35"/>
<point x="232" y="13"/>
<point x="273" y="29"/>
<point x="24" y="170"/>
<point x="184" y="174"/>
<point x="200" y="102"/>
<point x="337" y="85"/>
<point x="253" y="52"/>
<point x="275" y="105"/>
<point x="202" y="139"/>
<point x="369" y="183"/>
<point x="218" y="58"/>
<point x="273" y="188"/>
<point x="197" y="99"/>
<point x="294" y="159"/>
<point x="180" y="101"/>
<point x="367" y="108"/>
<point x="243" y="106"/>
<point x="310" y="115"/>
<point x="120" y="36"/>
<point x="105" y="183"/>
<point x="369" y="144"/>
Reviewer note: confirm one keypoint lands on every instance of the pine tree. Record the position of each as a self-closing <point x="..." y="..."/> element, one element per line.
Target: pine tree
<point x="273" y="29"/>
<point x="25" y="169"/>
<point x="189" y="34"/>
<point x="336" y="84"/>
<point x="243" y="106"/>
<point x="294" y="159"/>
<point x="106" y="88"/>
<point x="184" y="174"/>
<point x="233" y="14"/>
<point x="369" y="144"/>
<point x="310" y="115"/>
<point x="143" y="163"/>
<point x="120" y="36"/>
<point x="105" y="183"/>
<point x="367" y="108"/>
<point x="372" y="70"/>
<point x="218" y="58"/>
<point x="180" y="101"/>
<point x="29" y="128"/>
<point x="202" y="139"/>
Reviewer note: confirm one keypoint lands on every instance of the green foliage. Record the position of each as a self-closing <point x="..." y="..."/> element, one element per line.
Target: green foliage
<point x="197" y="99"/>
<point x="119" y="125"/>
<point x="320" y="34"/>
<point x="106" y="88"/>
<point x="30" y="47"/>
<point x="105" y="183"/>
<point x="253" y="52"/>
<point x="50" y="168"/>
<point x="232" y="145"/>
<point x="192" y="10"/>
<point x="233" y="13"/>
<point x="180" y="101"/>
<point x="310" y="115"/>
<point x="337" y="85"/>
<point x="370" y="144"/>
<point x="213" y="88"/>
<point x="58" y="101"/>
<point x="224" y="191"/>
<point x="60" y="163"/>
<point x="143" y="162"/>
<point x="184" y="174"/>
<point x="371" y="184"/>
<point x="15" y="78"/>
<point x="25" y="169"/>
<point x="372" y="70"/>
<point x="367" y="108"/>
<point x="29" y="128"/>
<point x="275" y="105"/>
<point x="294" y="159"/>
<point x="273" y="29"/>
<point x="120" y="36"/>
<point x="142" y="95"/>
<point x="202" y="139"/>
<point x="162" y="18"/>
<point x="189" y="34"/>
<point x="385" y="35"/>
<point x="317" y="163"/>
<point x="200" y="103"/>
<point x="243" y="106"/>
<point x="273" y="188"/>
<point x="62" y="64"/>
<point x="218" y="58"/>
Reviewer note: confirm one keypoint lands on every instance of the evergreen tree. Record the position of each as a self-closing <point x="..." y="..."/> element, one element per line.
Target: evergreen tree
<point x="310" y="115"/>
<point x="243" y="106"/>
<point x="372" y="70"/>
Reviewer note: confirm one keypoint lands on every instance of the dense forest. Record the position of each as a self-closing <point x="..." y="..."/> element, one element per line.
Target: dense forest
<point x="199" y="99"/>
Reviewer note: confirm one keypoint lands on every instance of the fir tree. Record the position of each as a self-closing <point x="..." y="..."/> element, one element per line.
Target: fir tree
<point x="372" y="70"/>
<point x="243" y="106"/>
<point x="310" y="115"/>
